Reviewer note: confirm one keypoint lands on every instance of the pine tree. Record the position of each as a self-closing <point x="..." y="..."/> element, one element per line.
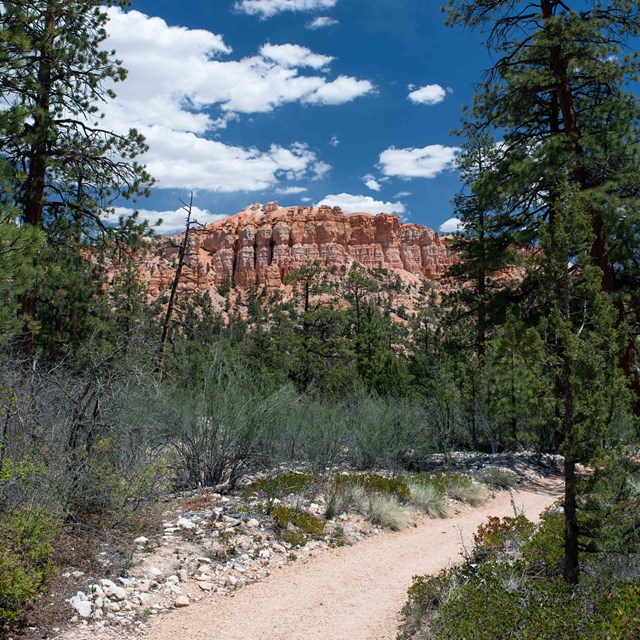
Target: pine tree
<point x="564" y="181"/>
<point x="18" y="247"/>
<point x="65" y="164"/>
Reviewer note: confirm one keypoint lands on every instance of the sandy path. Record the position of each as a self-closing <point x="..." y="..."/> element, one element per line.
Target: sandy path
<point x="350" y="593"/>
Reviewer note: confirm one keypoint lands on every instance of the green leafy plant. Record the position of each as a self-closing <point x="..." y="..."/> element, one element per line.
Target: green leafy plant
<point x="285" y="517"/>
<point x="279" y="485"/>
<point x="25" y="559"/>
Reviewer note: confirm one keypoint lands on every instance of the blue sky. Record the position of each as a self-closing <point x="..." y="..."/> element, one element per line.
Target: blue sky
<point x="347" y="102"/>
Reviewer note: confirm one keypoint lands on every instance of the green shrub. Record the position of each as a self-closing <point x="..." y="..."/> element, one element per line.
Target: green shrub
<point x="280" y="485"/>
<point x="375" y="483"/>
<point x="621" y="612"/>
<point x="501" y="537"/>
<point x="284" y="516"/>
<point x="25" y="559"/>
<point x="425" y="596"/>
<point x="512" y="587"/>
<point x="498" y="478"/>
<point x="477" y="611"/>
<point x="544" y="552"/>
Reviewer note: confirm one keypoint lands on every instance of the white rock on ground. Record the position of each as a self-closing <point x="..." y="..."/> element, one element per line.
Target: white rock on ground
<point x="81" y="604"/>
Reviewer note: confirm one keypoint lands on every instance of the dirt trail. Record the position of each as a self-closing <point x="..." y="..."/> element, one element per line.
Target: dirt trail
<point x="350" y="593"/>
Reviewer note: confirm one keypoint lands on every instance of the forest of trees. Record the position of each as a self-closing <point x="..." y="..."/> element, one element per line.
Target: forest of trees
<point x="531" y="342"/>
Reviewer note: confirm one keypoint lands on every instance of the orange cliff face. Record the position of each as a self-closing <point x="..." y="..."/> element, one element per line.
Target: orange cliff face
<point x="264" y="243"/>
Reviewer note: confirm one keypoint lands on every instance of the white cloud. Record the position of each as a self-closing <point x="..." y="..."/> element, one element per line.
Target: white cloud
<point x="335" y="141"/>
<point x="321" y="22"/>
<point x="430" y="94"/>
<point x="361" y="204"/>
<point x="269" y="8"/>
<point x="426" y="162"/>
<point x="176" y="81"/>
<point x="452" y="225"/>
<point x="293" y="55"/>
<point x="320" y="170"/>
<point x="172" y="78"/>
<point x="305" y="199"/>
<point x="403" y="194"/>
<point x="290" y="191"/>
<point x="181" y="160"/>
<point x="342" y="89"/>
<point x="172" y="221"/>
<point x="372" y="183"/>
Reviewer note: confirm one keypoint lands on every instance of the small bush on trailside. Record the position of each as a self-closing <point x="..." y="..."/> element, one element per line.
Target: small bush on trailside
<point x="26" y="552"/>
<point x="544" y="552"/>
<point x="501" y="538"/>
<point x="26" y="534"/>
<point x="497" y="478"/>
<point x="279" y="485"/>
<point x="296" y="525"/>
<point x="375" y="483"/>
<point x="511" y="586"/>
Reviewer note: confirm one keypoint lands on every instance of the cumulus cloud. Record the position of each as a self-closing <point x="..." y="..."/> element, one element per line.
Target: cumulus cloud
<point x="289" y="191"/>
<point x="321" y="22"/>
<point x="183" y="160"/>
<point x="321" y="170"/>
<point x="172" y="221"/>
<point x="430" y="94"/>
<point x="425" y="162"/>
<point x="181" y="88"/>
<point x="269" y="8"/>
<point x="173" y="78"/>
<point x="372" y="183"/>
<point x="452" y="225"/>
<point x="361" y="204"/>
<point x="342" y="89"/>
<point x="335" y="141"/>
<point x="293" y="55"/>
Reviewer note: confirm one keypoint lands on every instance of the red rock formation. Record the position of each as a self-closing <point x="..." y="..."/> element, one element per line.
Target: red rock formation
<point x="262" y="244"/>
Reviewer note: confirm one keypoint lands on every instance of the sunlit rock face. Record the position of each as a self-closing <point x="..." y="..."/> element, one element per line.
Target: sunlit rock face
<point x="263" y="243"/>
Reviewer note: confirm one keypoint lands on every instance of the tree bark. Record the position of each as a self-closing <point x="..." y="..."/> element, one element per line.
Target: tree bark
<point x="37" y="169"/>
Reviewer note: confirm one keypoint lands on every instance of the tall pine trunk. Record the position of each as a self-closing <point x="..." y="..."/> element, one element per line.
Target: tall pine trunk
<point x="37" y="169"/>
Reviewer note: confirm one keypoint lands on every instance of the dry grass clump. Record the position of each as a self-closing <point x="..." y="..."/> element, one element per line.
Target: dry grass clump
<point x="380" y="509"/>
<point x="387" y="511"/>
<point x="498" y="478"/>
<point x="466" y="490"/>
<point x="430" y="499"/>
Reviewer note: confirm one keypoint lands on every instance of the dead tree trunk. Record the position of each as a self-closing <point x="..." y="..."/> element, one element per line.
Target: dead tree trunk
<point x="182" y="250"/>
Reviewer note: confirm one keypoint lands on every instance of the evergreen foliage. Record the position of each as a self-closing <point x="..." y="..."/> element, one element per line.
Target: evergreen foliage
<point x="558" y="188"/>
<point x="61" y="167"/>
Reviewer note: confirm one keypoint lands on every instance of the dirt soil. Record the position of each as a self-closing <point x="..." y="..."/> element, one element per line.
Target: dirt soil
<point x="350" y="593"/>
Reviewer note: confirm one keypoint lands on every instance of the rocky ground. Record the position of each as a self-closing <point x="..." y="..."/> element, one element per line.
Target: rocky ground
<point x="215" y="543"/>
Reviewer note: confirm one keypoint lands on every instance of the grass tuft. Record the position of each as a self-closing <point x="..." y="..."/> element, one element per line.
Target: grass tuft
<point x="465" y="490"/>
<point x="498" y="478"/>
<point x="430" y="499"/>
<point x="386" y="511"/>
